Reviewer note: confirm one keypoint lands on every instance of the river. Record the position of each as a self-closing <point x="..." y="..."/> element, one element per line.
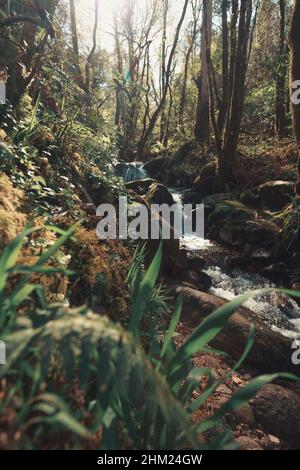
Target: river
<point x="280" y="312"/>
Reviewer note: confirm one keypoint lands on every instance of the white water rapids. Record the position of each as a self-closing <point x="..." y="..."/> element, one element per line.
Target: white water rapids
<point x="279" y="311"/>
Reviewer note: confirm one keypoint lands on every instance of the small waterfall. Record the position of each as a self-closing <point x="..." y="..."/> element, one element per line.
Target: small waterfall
<point x="276" y="309"/>
<point x="131" y="171"/>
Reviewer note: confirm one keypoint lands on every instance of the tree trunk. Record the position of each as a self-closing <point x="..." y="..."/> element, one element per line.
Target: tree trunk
<point x="163" y="116"/>
<point x="78" y="75"/>
<point x="202" y="116"/>
<point x="118" y="53"/>
<point x="280" y="124"/>
<point x="91" y="55"/>
<point x="225" y="69"/>
<point x="228" y="155"/>
<point x="295" y="75"/>
<point x="184" y="84"/>
<point x="74" y="32"/>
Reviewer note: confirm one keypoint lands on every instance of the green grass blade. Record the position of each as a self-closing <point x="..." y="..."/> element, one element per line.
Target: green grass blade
<point x="144" y="293"/>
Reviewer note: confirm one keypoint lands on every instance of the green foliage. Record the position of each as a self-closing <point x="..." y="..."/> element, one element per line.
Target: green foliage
<point x="132" y="398"/>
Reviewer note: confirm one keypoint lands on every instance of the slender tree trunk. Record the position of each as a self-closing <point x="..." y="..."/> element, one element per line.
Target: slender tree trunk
<point x="182" y="103"/>
<point x="78" y="75"/>
<point x="295" y="75"/>
<point x="74" y="31"/>
<point x="280" y="124"/>
<point x="233" y="40"/>
<point x="184" y="84"/>
<point x="225" y="69"/>
<point x="202" y="115"/>
<point x="120" y="72"/>
<point x="91" y="54"/>
<point x="163" y="116"/>
<point x="228" y="156"/>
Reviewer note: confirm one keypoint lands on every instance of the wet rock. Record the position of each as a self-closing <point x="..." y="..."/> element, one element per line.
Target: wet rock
<point x="192" y="197"/>
<point x="140" y="186"/>
<point x="199" y="280"/>
<point x="276" y="271"/>
<point x="261" y="257"/>
<point x="256" y="234"/>
<point x="237" y="225"/>
<point x="231" y="211"/>
<point x="159" y="194"/>
<point x="215" y="199"/>
<point x="278" y="410"/>
<point x="248" y="443"/>
<point x="205" y="184"/>
<point x="196" y="263"/>
<point x="249" y="198"/>
<point x="271" y="351"/>
<point x="173" y="259"/>
<point x="245" y="415"/>
<point x="240" y="262"/>
<point x="156" y="167"/>
<point x="276" y="193"/>
<point x="205" y="187"/>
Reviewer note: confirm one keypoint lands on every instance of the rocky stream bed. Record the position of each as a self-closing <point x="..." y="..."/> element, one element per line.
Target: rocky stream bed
<point x="210" y="272"/>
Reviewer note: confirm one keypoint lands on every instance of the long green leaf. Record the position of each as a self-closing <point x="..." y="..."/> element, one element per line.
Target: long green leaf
<point x="144" y="293"/>
<point x="173" y="325"/>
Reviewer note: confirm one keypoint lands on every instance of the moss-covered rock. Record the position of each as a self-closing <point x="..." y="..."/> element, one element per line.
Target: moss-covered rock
<point x="12" y="220"/>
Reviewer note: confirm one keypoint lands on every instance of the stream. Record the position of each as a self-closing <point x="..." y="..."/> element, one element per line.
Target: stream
<point x="278" y="311"/>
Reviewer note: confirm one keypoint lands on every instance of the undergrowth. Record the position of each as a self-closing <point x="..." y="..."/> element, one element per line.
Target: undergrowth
<point x="74" y="379"/>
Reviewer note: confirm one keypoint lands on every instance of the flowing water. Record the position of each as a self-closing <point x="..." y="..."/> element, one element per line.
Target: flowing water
<point x="130" y="171"/>
<point x="279" y="311"/>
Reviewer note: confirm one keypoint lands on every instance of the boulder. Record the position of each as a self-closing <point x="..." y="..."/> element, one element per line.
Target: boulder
<point x="196" y="262"/>
<point x="277" y="409"/>
<point x="231" y="210"/>
<point x="159" y="194"/>
<point x="255" y="234"/>
<point x="276" y="193"/>
<point x="192" y="197"/>
<point x="156" y="167"/>
<point x="198" y="279"/>
<point x="249" y="198"/>
<point x="271" y="352"/>
<point x="240" y="262"/>
<point x="248" y="443"/>
<point x="141" y="187"/>
<point x="244" y="415"/>
<point x="173" y="259"/>
<point x="236" y="224"/>
<point x="261" y="257"/>
<point x="205" y="184"/>
<point x="276" y="271"/>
